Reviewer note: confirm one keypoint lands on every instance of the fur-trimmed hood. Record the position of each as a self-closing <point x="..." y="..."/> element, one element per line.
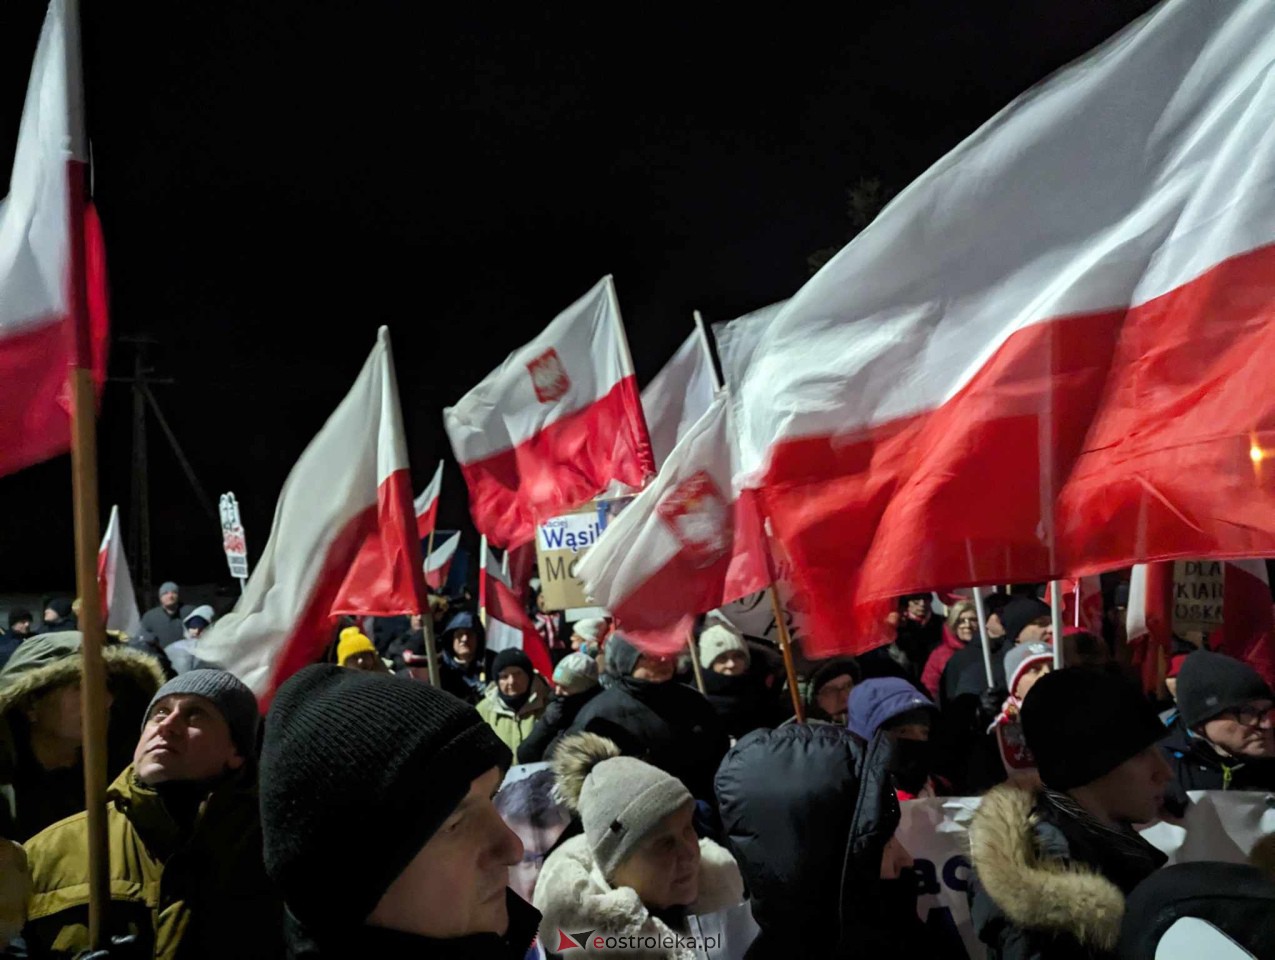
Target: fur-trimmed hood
<point x="1033" y="890"/>
<point x="52" y="659"/>
<point x="572" y="895"/>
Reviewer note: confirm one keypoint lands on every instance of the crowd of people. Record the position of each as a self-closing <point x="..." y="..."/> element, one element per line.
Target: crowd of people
<point x="356" y="817"/>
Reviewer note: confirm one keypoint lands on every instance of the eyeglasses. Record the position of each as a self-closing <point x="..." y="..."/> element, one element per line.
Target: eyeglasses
<point x="1249" y="716"/>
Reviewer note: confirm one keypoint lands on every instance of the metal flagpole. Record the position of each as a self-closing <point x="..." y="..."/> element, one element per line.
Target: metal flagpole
<point x="1055" y="615"/>
<point x="981" y="612"/>
<point x="482" y="581"/>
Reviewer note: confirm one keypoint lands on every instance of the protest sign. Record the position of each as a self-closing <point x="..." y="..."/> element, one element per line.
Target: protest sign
<point x="232" y="537"/>
<point x="1197" y="596"/>
<point x="560" y="544"/>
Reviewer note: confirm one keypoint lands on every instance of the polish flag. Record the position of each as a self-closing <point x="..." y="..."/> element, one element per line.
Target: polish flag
<point x="426" y="505"/>
<point x="1248" y="628"/>
<point x="1149" y="620"/>
<point x="1082" y="603"/>
<point x="343" y="541"/>
<point x="439" y="563"/>
<point x="1049" y="355"/>
<point x="678" y="396"/>
<point x="52" y="259"/>
<point x="686" y="545"/>
<point x="508" y="625"/>
<point x="554" y="424"/>
<point x="115" y="584"/>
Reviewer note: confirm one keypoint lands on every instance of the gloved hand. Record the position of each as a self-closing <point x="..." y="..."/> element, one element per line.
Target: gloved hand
<point x="989" y="705"/>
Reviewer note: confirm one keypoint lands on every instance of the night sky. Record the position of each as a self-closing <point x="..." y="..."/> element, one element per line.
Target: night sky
<point x="277" y="179"/>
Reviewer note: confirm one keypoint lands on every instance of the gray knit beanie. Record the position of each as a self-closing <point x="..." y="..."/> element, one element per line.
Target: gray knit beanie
<point x="621" y="656"/>
<point x="238" y="704"/>
<point x="718" y="639"/>
<point x="620" y="799"/>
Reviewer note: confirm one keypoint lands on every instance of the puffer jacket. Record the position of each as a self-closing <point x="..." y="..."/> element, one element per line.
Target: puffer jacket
<point x="201" y="893"/>
<point x="31" y="798"/>
<point x="1050" y="884"/>
<point x="513" y="727"/>
<point x="807" y="810"/>
<point x="572" y="895"/>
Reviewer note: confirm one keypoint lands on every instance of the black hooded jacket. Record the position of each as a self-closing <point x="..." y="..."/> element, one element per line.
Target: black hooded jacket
<point x="746" y="702"/>
<point x="1197" y="766"/>
<point x="807" y="812"/>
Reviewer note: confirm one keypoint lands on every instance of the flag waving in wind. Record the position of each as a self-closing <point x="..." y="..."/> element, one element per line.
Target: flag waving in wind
<point x="1048" y="356"/>
<point x="554" y="424"/>
<point x="50" y="243"/>
<point x="687" y="544"/>
<point x="115" y="583"/>
<point x="343" y="540"/>
<point x="426" y="505"/>
<point x="438" y="563"/>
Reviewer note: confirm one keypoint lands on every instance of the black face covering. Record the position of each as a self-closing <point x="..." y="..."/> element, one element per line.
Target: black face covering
<point x="515" y="703"/>
<point x="911" y="764"/>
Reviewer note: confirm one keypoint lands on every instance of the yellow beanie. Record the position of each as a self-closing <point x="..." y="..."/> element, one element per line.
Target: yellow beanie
<point x="352" y="643"/>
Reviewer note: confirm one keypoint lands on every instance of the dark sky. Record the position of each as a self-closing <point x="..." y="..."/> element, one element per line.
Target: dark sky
<point x="277" y="179"/>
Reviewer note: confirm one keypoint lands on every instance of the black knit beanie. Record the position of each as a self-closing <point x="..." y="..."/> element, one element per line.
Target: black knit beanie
<point x="1212" y="683"/>
<point x="1018" y="613"/>
<point x="1081" y="722"/>
<point x="349" y="746"/>
<point x="512" y="657"/>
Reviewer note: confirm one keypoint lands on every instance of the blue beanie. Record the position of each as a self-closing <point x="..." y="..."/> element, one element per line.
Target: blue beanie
<point x="875" y="703"/>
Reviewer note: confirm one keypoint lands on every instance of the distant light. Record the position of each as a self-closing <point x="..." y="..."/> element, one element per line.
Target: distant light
<point x="1256" y="453"/>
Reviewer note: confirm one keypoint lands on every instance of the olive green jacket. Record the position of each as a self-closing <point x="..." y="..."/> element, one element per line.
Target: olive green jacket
<point x="198" y="895"/>
<point x="513" y="728"/>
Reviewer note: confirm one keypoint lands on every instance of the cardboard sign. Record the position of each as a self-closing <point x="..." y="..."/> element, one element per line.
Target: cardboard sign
<point x="1197" y="596"/>
<point x="561" y="542"/>
<point x="232" y="537"/>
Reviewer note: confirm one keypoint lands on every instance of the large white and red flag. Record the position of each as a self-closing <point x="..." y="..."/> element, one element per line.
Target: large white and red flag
<point x="52" y="261"/>
<point x="678" y="396"/>
<point x="554" y="424"/>
<point x="115" y="583"/>
<point x="686" y="545"/>
<point x="426" y="505"/>
<point x="343" y="540"/>
<point x="1149" y="620"/>
<point x="509" y="624"/>
<point x="1048" y="355"/>
<point x="439" y="563"/>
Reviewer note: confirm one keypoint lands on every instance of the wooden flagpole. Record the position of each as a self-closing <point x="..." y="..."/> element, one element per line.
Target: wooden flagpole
<point x="785" y="646"/>
<point x="84" y="476"/>
<point x="699" y="671"/>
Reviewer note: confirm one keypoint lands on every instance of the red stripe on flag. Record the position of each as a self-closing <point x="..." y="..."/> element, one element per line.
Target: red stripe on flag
<point x="1143" y="419"/>
<point x="565" y="464"/>
<point x="502" y="605"/>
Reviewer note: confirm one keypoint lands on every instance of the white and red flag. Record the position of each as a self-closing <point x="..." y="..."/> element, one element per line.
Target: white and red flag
<point x="1082" y="603"/>
<point x="115" y="583"/>
<point x="426" y="505"/>
<point x="439" y="563"/>
<point x="343" y="540"/>
<point x="686" y="545"/>
<point x="1248" y="620"/>
<point x="509" y="624"/>
<point x="678" y="396"/>
<point x="1048" y="355"/>
<point x="554" y="424"/>
<point x="52" y="261"/>
<point x="1149" y="620"/>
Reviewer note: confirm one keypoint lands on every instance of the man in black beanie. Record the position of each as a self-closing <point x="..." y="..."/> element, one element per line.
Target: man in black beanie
<point x="1224" y="736"/>
<point x="345" y="747"/>
<point x="1053" y="866"/>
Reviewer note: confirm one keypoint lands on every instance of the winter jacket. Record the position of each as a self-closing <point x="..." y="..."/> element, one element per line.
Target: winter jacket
<point x="747" y="702"/>
<point x="971" y="758"/>
<point x="668" y="725"/>
<point x="559" y="715"/>
<point x="375" y="943"/>
<point x="201" y="893"/>
<point x="162" y="627"/>
<point x="513" y="727"/>
<point x="572" y="895"/>
<point x="1050" y="884"/>
<point x="1197" y="766"/>
<point x="467" y="681"/>
<point x="31" y="797"/>
<point x="932" y="675"/>
<point x="918" y="639"/>
<point x="807" y="811"/>
<point x="9" y="643"/>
